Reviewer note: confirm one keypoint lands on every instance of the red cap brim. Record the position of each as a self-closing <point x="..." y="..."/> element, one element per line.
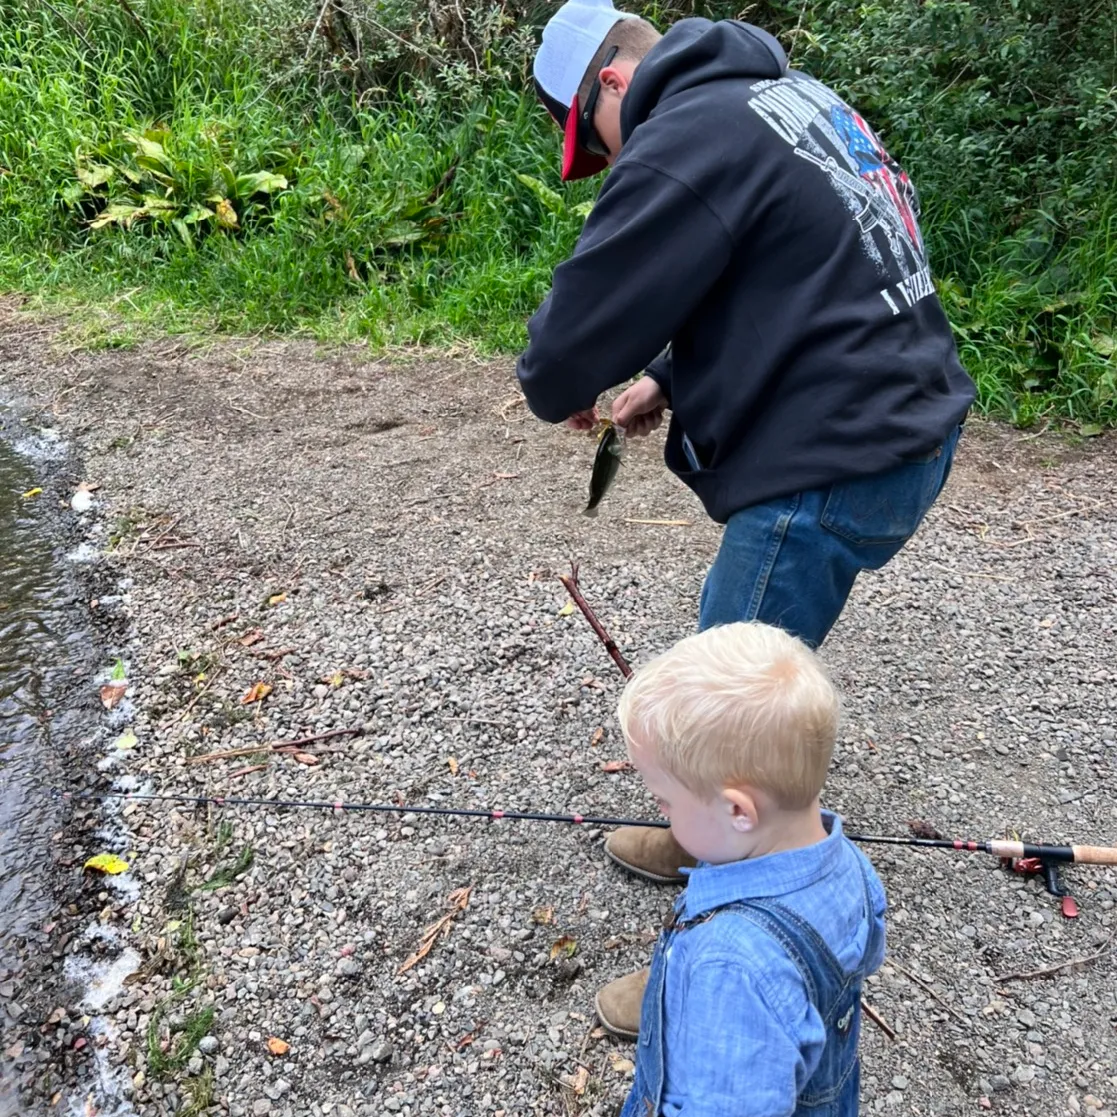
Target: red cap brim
<point x="576" y="161"/>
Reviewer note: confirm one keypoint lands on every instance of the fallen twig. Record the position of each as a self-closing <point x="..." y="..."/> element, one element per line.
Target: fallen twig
<point x="274" y="746"/>
<point x="458" y="901"/>
<point x="274" y="656"/>
<point x="173" y="546"/>
<point x="197" y="697"/>
<point x="927" y="989"/>
<point x="874" y="1016"/>
<point x="1049" y="971"/>
<point x="570" y="581"/>
<point x="247" y="771"/>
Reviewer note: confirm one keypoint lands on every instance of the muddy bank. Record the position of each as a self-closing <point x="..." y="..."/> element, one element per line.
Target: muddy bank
<point x="318" y="541"/>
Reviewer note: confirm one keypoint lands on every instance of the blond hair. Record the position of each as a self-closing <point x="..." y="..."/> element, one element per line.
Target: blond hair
<point x="742" y="704"/>
<point x="633" y="37"/>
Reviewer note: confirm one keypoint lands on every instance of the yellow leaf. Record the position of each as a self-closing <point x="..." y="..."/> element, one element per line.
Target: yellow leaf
<point x="278" y="1046"/>
<point x="277" y="598"/>
<point x="336" y="679"/>
<point x="566" y="945"/>
<point x="31" y="494"/>
<point x="107" y="863"/>
<point x="453" y="762"/>
<point x="127" y="740"/>
<point x="257" y="693"/>
<point x="598" y="736"/>
<point x="567" y="609"/>
<point x="226" y="215"/>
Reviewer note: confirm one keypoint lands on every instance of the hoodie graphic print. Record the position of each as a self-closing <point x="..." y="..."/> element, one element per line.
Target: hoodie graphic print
<point x="826" y="132"/>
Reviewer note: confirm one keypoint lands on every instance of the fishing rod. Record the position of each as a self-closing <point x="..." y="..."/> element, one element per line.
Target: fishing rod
<point x="1021" y="857"/>
<point x="1003" y="849"/>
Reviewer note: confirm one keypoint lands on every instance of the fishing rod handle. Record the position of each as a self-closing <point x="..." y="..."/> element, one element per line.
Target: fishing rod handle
<point x="1095" y="855"/>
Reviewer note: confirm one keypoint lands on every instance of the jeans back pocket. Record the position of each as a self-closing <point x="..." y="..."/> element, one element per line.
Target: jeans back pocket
<point x="887" y="508"/>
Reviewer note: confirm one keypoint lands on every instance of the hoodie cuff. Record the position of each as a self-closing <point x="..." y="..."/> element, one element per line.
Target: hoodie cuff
<point x="660" y="371"/>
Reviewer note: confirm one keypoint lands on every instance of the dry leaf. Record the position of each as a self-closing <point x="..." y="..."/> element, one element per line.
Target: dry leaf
<point x="277" y="598"/>
<point x="57" y="1016"/>
<point x="620" y="1064"/>
<point x="453" y="763"/>
<point x="257" y="693"/>
<point x="578" y="1081"/>
<point x="543" y="915"/>
<point x="567" y="609"/>
<point x="278" y="1046"/>
<point x="112" y="693"/>
<point x="616" y="766"/>
<point x="31" y="494"/>
<point x="107" y="863"/>
<point x="307" y="758"/>
<point x="598" y="737"/>
<point x="566" y="945"/>
<point x="226" y="215"/>
<point x="458" y="901"/>
<point x="250" y="638"/>
<point x="351" y="268"/>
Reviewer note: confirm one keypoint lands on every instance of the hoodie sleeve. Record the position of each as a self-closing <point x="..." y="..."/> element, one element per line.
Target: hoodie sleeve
<point x="660" y="371"/>
<point x="650" y="250"/>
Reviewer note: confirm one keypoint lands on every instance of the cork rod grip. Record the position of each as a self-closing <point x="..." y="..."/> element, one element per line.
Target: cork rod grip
<point x="1095" y="855"/>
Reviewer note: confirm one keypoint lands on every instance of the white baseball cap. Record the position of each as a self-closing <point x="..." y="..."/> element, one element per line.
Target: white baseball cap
<point x="571" y="38"/>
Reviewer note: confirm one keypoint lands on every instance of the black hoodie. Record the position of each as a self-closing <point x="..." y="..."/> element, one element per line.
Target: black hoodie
<point x="758" y="252"/>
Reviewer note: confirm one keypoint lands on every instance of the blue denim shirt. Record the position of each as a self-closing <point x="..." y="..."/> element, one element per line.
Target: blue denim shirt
<point x="741" y="1035"/>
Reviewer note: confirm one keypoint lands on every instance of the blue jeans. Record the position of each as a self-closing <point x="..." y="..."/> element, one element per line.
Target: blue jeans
<point x="792" y="561"/>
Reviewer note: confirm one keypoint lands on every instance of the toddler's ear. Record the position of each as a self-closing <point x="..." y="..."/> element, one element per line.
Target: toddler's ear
<point x="742" y="807"/>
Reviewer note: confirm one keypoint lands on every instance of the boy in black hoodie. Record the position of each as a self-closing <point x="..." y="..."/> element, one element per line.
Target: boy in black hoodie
<point x="756" y="253"/>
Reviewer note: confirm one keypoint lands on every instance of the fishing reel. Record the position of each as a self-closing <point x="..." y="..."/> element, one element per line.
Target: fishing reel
<point x="1052" y="880"/>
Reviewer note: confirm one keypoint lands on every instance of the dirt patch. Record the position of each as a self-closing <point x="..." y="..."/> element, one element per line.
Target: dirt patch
<point x="376" y="540"/>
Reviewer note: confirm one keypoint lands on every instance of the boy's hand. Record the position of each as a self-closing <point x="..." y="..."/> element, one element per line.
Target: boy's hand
<point x="639" y="409"/>
<point x="583" y="420"/>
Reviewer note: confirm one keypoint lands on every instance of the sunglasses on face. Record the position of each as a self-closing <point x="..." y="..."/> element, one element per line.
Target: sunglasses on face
<point x="588" y="139"/>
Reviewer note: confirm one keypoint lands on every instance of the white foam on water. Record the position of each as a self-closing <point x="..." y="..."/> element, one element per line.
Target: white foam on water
<point x="84" y="552"/>
<point x="108" y="1096"/>
<point x="101" y="981"/>
<point x="41" y="445"/>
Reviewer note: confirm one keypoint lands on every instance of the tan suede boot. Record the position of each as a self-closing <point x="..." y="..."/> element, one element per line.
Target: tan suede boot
<point x="618" y="1004"/>
<point x="649" y="852"/>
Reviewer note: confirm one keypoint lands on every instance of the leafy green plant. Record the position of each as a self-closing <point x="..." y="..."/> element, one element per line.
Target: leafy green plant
<point x="150" y="183"/>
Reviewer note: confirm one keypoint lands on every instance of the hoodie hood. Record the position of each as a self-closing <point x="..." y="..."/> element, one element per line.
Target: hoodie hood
<point x="694" y="52"/>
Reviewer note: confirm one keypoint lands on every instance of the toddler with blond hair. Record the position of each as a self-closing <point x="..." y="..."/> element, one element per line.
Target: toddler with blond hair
<point x="753" y="1004"/>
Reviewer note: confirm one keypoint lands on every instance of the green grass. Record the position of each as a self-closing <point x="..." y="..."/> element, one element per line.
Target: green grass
<point x="227" y="874"/>
<point x="411" y="219"/>
<point x="170" y="1053"/>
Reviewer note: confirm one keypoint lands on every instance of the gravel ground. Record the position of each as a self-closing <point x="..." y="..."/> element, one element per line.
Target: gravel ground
<point x="378" y="542"/>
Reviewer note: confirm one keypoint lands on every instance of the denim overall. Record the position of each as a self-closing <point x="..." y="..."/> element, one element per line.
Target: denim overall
<point x="833" y="1090"/>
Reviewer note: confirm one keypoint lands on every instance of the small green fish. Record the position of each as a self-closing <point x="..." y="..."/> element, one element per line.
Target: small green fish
<point x="606" y="462"/>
